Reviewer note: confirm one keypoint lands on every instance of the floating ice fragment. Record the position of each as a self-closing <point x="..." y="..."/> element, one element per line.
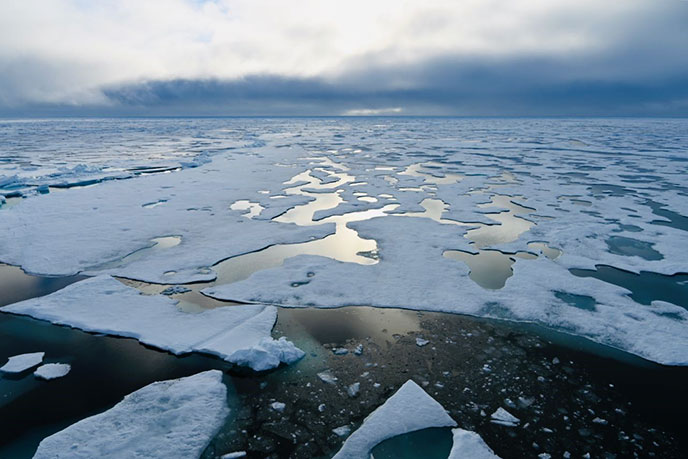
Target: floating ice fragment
<point x="327" y="377"/>
<point x="420" y="342"/>
<point x="358" y="350"/>
<point x="600" y="421"/>
<point x="342" y="431"/>
<point x="170" y="419"/>
<point x="233" y="455"/>
<point x="52" y="370"/>
<point x="353" y="389"/>
<point x="278" y="406"/>
<point x="408" y="410"/>
<point x="504" y="418"/>
<point x="22" y="362"/>
<point x="340" y="351"/>
<point x="321" y="407"/>
<point x="469" y="445"/>
<point x="237" y="334"/>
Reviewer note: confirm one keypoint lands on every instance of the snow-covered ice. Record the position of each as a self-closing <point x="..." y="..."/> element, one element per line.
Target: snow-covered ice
<point x="237" y="334"/>
<point x="170" y="419"/>
<point x="22" y="362"/>
<point x="469" y="445"/>
<point x="52" y="371"/>
<point x="408" y="410"/>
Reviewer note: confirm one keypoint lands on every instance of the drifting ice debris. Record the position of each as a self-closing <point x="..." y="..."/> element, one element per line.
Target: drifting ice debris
<point x="340" y="351"/>
<point x="22" y="362"/>
<point x="353" y="389"/>
<point x="278" y="406"/>
<point x="52" y="370"/>
<point x="173" y="290"/>
<point x="408" y="410"/>
<point x="237" y="334"/>
<point x="469" y="445"/>
<point x="327" y="377"/>
<point x="342" y="431"/>
<point x="321" y="407"/>
<point x="504" y="418"/>
<point x="170" y="419"/>
<point x="420" y="342"/>
<point x="358" y="350"/>
<point x="234" y="455"/>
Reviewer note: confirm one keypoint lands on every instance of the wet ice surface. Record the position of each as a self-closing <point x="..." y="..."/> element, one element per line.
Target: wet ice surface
<point x="506" y="219"/>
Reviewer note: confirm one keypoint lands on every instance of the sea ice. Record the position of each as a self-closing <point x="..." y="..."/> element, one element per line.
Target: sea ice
<point x="408" y="410"/>
<point x="52" y="370"/>
<point x="170" y="419"/>
<point x="237" y="334"/>
<point x="469" y="445"/>
<point x="22" y="362"/>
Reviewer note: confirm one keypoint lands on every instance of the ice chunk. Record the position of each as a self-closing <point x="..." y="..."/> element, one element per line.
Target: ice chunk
<point x="170" y="419"/>
<point x="327" y="377"/>
<point x="238" y="334"/>
<point x="469" y="445"/>
<point x="22" y="362"/>
<point x="420" y="342"/>
<point x="233" y="455"/>
<point x="278" y="406"/>
<point x="353" y="389"/>
<point x="52" y="370"/>
<point x="504" y="418"/>
<point x="342" y="431"/>
<point x="408" y="410"/>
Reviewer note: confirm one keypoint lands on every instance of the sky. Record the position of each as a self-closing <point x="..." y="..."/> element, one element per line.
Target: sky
<point x="333" y="57"/>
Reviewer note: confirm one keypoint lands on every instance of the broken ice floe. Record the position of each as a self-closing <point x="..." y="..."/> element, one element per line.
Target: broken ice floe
<point x="171" y="419"/>
<point x="408" y="410"/>
<point x="504" y="418"/>
<point x="237" y="334"/>
<point x="469" y="445"/>
<point x="22" y="362"/>
<point x="52" y="371"/>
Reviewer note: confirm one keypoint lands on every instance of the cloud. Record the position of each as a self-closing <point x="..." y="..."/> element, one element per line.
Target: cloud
<point x="303" y="57"/>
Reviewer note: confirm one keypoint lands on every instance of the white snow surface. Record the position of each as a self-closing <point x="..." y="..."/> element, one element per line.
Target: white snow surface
<point x="408" y="410"/>
<point x="22" y="362"/>
<point x="166" y="419"/>
<point x="237" y="334"/>
<point x="469" y="445"/>
<point x="52" y="371"/>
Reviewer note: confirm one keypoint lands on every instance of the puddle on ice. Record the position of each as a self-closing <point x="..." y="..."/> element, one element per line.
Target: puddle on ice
<point x="646" y="286"/>
<point x="630" y="247"/>
<point x="488" y="268"/>
<point x="429" y="173"/>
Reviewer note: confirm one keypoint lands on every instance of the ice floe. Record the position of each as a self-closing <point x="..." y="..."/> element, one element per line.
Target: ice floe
<point x="237" y="334"/>
<point x="171" y="419"/>
<point x="408" y="410"/>
<point x="22" y="362"/>
<point x="52" y="371"/>
<point x="469" y="445"/>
